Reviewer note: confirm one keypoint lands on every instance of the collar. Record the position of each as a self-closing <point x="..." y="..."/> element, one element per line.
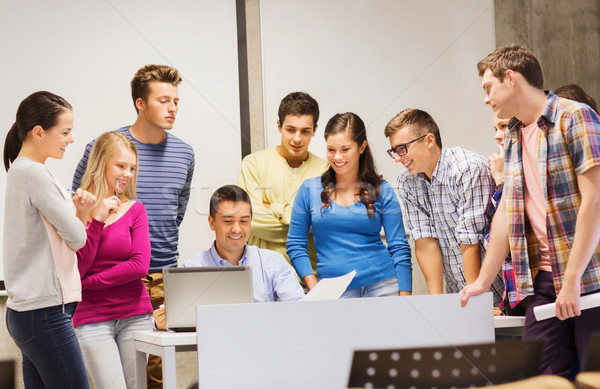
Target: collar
<point x="218" y="261"/>
<point x="439" y="172"/>
<point x="549" y="114"/>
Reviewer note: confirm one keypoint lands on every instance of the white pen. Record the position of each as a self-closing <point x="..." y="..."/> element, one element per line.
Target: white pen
<point x="117" y="191"/>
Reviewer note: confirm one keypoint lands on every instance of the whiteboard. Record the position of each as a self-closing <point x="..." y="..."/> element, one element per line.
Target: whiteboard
<point x="88" y="52"/>
<point x="376" y="58"/>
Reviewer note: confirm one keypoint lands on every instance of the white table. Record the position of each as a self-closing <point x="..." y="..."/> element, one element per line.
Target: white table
<point x="164" y="344"/>
<point x="509" y="326"/>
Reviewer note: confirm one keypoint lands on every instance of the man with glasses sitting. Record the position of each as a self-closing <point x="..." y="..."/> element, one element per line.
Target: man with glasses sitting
<point x="444" y="193"/>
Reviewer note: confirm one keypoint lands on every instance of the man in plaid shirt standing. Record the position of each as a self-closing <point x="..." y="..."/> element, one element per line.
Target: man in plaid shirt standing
<point x="548" y="215"/>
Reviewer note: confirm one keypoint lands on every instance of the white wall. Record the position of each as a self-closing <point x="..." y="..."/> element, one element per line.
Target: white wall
<point x="88" y="52"/>
<point x="374" y="58"/>
<point x="378" y="57"/>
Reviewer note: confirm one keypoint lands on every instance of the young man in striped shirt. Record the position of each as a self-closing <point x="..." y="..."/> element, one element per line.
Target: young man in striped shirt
<point x="164" y="177"/>
<point x="548" y="215"/>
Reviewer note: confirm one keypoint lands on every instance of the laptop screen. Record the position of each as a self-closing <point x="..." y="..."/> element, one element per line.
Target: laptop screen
<point x="187" y="287"/>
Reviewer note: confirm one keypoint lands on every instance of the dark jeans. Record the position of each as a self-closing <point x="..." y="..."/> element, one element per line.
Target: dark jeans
<point x="51" y="354"/>
<point x="567" y="340"/>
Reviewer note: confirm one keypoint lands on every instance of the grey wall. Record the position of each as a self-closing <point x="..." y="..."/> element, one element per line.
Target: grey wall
<point x="564" y="36"/>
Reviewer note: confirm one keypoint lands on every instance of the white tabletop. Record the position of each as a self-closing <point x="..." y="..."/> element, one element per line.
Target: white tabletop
<point x="170" y="338"/>
<point x="166" y="338"/>
<point x="509" y="321"/>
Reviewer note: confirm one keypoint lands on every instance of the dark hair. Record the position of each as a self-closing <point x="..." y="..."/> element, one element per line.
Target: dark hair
<point x="298" y="103"/>
<point x="228" y="193"/>
<point x="140" y="84"/>
<point x="515" y="58"/>
<point x="369" y="180"/>
<point x="40" y="108"/>
<point x="575" y="92"/>
<point x="420" y="122"/>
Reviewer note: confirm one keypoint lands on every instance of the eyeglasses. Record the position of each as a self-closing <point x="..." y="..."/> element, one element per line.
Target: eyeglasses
<point x="401" y="150"/>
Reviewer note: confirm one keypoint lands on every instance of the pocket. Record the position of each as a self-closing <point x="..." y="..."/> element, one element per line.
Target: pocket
<point x="20" y="326"/>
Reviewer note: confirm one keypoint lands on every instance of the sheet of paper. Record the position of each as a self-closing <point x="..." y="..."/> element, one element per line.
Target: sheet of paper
<point x="330" y="288"/>
<point x="547" y="311"/>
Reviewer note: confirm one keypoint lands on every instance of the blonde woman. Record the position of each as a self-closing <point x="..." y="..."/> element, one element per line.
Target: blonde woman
<point x="111" y="264"/>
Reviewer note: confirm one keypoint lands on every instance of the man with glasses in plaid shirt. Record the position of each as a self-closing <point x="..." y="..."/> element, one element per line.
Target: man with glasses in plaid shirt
<point x="548" y="215"/>
<point x="444" y="193"/>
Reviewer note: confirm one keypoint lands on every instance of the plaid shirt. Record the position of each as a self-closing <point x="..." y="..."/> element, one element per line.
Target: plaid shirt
<point x="451" y="208"/>
<point x="569" y="144"/>
<point x="508" y="275"/>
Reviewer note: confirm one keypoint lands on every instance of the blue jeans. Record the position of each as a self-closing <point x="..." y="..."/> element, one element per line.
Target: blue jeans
<point x="387" y="287"/>
<point x="51" y="354"/>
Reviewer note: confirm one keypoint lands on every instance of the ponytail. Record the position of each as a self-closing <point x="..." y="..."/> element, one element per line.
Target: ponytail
<point x="40" y="108"/>
<point x="12" y="145"/>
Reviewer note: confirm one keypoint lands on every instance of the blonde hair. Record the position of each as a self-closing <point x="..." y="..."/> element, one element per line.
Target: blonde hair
<point x="105" y="149"/>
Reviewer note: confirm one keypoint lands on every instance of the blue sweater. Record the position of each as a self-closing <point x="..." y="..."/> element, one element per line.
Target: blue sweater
<point x="164" y="179"/>
<point x="347" y="239"/>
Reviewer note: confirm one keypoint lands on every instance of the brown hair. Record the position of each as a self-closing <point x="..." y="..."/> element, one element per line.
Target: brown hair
<point x="420" y="122"/>
<point x="228" y="193"/>
<point x="105" y="149"/>
<point x="298" y="103"/>
<point x="515" y="58"/>
<point x="369" y="180"/>
<point x="40" y="108"/>
<point x="575" y="92"/>
<point x="140" y="84"/>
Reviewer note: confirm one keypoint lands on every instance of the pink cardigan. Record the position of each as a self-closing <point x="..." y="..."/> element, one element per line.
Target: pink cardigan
<point x="112" y="264"/>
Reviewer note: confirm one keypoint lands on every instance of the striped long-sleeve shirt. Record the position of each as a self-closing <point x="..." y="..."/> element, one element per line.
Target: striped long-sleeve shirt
<point x="164" y="180"/>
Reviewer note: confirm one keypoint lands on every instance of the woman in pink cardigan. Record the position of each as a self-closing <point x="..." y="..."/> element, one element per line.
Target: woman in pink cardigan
<point x="112" y="263"/>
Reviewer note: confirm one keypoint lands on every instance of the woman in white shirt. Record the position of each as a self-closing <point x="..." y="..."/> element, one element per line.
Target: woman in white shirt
<point x="43" y="227"/>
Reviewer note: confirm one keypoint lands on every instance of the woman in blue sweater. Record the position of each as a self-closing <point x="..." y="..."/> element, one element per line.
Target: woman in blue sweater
<point x="346" y="208"/>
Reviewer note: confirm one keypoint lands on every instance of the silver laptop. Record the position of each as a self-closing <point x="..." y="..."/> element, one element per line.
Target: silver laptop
<point x="187" y="287"/>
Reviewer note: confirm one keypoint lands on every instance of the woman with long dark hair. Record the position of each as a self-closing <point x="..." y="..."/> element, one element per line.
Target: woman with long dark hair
<point x="346" y="208"/>
<point x="43" y="230"/>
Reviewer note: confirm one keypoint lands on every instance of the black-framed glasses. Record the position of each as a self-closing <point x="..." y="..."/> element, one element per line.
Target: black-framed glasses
<point x="401" y="150"/>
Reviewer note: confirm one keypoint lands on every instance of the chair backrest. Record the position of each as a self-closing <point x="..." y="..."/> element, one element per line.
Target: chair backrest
<point x="592" y="359"/>
<point x="446" y="366"/>
<point x="7" y="374"/>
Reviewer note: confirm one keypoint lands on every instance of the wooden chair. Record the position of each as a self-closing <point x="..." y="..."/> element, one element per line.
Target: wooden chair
<point x="589" y="378"/>
<point x="7" y="374"/>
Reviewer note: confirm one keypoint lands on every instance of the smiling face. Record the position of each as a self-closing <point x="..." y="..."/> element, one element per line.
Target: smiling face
<point x="160" y="107"/>
<point x="121" y="168"/>
<point x="343" y="154"/>
<point x="56" y="138"/>
<point x="422" y="155"/>
<point x="296" y="134"/>
<point x="231" y="225"/>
